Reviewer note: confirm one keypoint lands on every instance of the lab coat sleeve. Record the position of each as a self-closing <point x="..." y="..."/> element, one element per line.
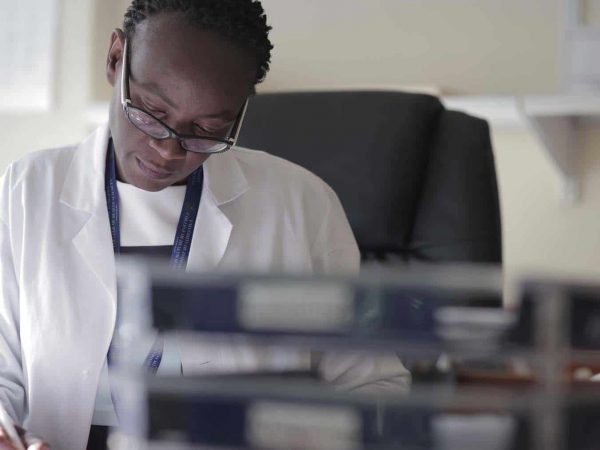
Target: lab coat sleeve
<point x="12" y="392"/>
<point x="335" y="251"/>
<point x="365" y="372"/>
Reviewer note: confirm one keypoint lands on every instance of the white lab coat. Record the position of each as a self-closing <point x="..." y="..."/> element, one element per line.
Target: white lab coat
<point x="57" y="273"/>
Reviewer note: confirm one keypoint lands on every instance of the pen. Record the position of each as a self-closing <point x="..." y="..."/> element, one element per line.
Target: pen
<point x="8" y="426"/>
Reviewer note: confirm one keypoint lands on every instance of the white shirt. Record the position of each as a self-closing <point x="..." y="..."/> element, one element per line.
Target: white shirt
<point x="149" y="218"/>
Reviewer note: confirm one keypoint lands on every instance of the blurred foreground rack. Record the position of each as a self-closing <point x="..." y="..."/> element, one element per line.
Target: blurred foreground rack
<point x="484" y="377"/>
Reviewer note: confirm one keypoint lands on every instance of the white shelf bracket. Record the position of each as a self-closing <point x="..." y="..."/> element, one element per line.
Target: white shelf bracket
<point x="559" y="135"/>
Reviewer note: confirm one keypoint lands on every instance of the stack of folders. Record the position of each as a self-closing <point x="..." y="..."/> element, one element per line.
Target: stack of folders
<point x="425" y="317"/>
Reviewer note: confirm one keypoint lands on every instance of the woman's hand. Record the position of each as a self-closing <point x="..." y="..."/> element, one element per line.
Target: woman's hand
<point x="29" y="442"/>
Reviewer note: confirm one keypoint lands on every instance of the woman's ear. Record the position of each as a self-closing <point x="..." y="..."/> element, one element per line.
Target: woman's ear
<point x="115" y="55"/>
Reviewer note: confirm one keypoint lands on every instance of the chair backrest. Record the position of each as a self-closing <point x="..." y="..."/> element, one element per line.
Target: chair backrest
<point x="417" y="181"/>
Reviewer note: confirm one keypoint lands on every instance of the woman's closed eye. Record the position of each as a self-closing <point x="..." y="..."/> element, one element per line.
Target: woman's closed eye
<point x="212" y="130"/>
<point x="154" y="110"/>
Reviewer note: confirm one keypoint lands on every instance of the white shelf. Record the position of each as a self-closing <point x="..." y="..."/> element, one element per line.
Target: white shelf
<point x="555" y="121"/>
<point x="511" y="110"/>
<point x="563" y="105"/>
<point x="499" y="111"/>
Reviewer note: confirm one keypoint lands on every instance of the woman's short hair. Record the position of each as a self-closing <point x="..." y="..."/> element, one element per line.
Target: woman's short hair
<point x="242" y="22"/>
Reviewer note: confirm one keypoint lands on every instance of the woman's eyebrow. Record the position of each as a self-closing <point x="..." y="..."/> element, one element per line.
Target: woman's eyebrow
<point x="154" y="89"/>
<point x="224" y="115"/>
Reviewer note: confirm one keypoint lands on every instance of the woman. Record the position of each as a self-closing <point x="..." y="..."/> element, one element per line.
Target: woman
<point x="160" y="179"/>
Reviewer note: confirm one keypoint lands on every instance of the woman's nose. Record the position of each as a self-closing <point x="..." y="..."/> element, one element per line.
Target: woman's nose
<point x="169" y="149"/>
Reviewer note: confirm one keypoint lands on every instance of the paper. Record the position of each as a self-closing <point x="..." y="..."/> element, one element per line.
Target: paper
<point x="296" y="426"/>
<point x="314" y="307"/>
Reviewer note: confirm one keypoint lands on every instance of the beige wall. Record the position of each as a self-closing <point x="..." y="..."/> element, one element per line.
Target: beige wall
<point x="106" y="20"/>
<point x="465" y="46"/>
<point x="471" y="46"/>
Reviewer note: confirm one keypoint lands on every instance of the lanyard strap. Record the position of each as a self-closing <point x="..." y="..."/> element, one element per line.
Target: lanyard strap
<point x="187" y="218"/>
<point x="183" y="236"/>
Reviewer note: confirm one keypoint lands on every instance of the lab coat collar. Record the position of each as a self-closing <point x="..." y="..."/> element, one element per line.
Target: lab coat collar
<point x="224" y="182"/>
<point x="81" y="189"/>
<point x="224" y="177"/>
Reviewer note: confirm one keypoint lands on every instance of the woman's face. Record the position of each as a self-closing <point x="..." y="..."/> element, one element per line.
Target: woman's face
<point x="193" y="80"/>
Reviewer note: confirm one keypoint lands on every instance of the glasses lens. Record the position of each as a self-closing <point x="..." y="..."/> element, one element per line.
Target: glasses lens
<point x="147" y="124"/>
<point x="199" y="145"/>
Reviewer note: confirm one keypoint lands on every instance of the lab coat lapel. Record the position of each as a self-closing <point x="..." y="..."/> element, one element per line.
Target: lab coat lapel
<point x="83" y="191"/>
<point x="224" y="182"/>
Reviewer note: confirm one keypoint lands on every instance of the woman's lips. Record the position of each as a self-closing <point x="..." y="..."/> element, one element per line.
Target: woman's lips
<point x="152" y="172"/>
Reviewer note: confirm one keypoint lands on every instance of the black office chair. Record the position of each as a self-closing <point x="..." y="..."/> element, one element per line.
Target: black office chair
<point x="417" y="181"/>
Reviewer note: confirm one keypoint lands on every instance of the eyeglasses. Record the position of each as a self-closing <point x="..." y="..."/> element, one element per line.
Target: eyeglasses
<point x="157" y="129"/>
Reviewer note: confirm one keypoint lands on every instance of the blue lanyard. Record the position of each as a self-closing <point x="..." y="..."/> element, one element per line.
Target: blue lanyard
<point x="183" y="236"/>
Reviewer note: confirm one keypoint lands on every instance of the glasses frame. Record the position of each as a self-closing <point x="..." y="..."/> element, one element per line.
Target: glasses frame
<point x="127" y="105"/>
